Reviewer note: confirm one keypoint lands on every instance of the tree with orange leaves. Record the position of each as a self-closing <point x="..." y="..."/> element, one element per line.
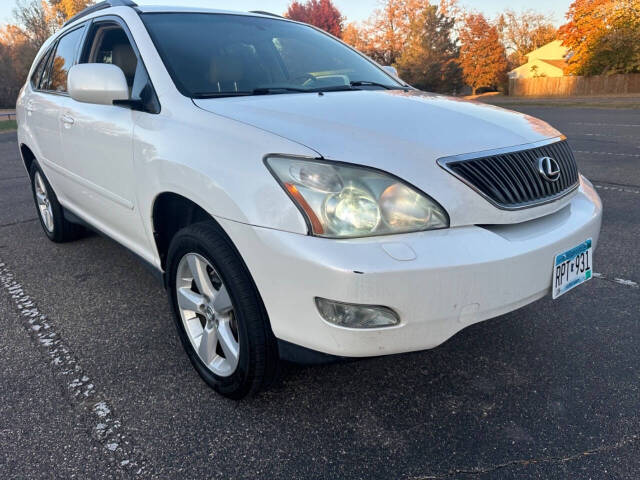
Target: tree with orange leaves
<point x="354" y="36"/>
<point x="66" y="9"/>
<point x="319" y="13"/>
<point x="388" y="29"/>
<point x="35" y="21"/>
<point x="482" y="56"/>
<point x="418" y="38"/>
<point x="603" y="37"/>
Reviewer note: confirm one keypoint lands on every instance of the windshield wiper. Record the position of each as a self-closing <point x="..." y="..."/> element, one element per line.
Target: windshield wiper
<point x="335" y="88"/>
<point x="365" y="83"/>
<point x="221" y="94"/>
<point x="274" y="91"/>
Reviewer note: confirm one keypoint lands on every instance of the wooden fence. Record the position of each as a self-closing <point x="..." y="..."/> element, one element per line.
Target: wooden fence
<point x="575" y="86"/>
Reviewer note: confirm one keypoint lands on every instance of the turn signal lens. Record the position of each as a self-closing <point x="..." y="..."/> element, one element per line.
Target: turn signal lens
<point x="356" y="316"/>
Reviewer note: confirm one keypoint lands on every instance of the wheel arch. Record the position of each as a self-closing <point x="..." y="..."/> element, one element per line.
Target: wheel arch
<point x="170" y="213"/>
<point x="28" y="157"/>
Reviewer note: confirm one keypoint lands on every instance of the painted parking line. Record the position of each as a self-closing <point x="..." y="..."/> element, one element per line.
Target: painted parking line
<point x="619" y="281"/>
<point x="635" y="155"/>
<point x="617" y="189"/>
<point x="84" y="394"/>
<point x="606" y="124"/>
<point x="605" y="135"/>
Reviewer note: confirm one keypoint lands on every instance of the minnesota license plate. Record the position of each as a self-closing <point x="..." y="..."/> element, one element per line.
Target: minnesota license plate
<point x="572" y="268"/>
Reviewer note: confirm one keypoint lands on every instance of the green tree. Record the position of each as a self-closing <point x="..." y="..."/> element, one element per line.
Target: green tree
<point x="429" y="58"/>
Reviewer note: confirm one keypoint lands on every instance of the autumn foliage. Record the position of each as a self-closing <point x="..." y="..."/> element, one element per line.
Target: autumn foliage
<point x="416" y="37"/>
<point x="523" y="32"/>
<point x="482" y="56"/>
<point x="19" y="42"/>
<point x="603" y="36"/>
<point x="435" y="48"/>
<point x="320" y="13"/>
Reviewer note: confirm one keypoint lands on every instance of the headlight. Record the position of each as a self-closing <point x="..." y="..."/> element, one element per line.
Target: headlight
<point x="340" y="200"/>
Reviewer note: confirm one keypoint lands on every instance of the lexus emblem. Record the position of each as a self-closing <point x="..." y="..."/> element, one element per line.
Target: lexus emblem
<point x="549" y="169"/>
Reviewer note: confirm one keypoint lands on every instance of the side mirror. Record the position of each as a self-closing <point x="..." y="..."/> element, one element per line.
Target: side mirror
<point x="391" y="71"/>
<point x="99" y="83"/>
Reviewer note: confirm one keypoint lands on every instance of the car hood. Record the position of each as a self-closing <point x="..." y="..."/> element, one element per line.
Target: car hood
<point x="396" y="131"/>
<point x="342" y="125"/>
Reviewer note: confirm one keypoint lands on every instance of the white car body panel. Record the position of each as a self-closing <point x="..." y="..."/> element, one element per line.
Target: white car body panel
<point x="459" y="276"/>
<point x="211" y="152"/>
<point x="401" y="133"/>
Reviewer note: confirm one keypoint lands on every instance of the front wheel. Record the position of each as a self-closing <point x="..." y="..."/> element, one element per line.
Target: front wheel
<point x="220" y="317"/>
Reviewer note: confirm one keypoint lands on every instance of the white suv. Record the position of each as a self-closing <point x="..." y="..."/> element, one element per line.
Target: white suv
<point x="300" y="201"/>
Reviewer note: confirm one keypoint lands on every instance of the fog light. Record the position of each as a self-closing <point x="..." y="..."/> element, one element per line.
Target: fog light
<point x="356" y="316"/>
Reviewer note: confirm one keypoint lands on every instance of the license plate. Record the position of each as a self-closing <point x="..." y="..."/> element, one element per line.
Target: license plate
<point x="572" y="268"/>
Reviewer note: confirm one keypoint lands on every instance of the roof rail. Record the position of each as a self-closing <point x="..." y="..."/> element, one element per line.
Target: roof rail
<point x="262" y="12"/>
<point x="100" y="6"/>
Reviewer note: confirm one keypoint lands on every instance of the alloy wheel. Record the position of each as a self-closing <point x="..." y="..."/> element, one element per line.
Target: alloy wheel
<point x="207" y="314"/>
<point x="44" y="204"/>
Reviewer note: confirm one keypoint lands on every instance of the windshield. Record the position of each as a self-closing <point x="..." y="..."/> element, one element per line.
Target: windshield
<point x="215" y="55"/>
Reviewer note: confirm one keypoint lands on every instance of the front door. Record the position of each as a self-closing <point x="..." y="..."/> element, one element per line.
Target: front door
<point x="98" y="146"/>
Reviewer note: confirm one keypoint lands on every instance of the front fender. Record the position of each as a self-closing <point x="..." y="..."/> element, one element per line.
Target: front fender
<point x="218" y="164"/>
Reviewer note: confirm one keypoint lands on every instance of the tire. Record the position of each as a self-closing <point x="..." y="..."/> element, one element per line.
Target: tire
<point x="205" y="247"/>
<point x="50" y="212"/>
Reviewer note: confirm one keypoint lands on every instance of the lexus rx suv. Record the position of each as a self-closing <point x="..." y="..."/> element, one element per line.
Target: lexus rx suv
<point x="299" y="201"/>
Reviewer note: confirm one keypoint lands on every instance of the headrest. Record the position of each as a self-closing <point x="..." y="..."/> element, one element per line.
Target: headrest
<point x="124" y="57"/>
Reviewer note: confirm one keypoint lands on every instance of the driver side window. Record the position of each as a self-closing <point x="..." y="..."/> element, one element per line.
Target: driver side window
<point x="107" y="42"/>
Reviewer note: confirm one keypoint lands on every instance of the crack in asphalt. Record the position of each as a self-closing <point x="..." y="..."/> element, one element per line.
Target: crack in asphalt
<point x="626" y="440"/>
<point x="3" y="179"/>
<point x="82" y="391"/>
<point x="18" y="222"/>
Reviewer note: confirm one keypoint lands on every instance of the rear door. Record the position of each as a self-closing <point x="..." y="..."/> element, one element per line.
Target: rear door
<point x="47" y="101"/>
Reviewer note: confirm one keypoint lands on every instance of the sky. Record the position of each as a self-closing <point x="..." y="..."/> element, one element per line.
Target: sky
<point x="352" y="9"/>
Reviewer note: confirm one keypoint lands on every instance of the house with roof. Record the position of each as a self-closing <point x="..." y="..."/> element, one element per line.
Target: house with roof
<point x="546" y="61"/>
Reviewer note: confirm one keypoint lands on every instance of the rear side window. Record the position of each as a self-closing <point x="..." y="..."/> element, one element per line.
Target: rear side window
<point x="62" y="60"/>
<point x="37" y="73"/>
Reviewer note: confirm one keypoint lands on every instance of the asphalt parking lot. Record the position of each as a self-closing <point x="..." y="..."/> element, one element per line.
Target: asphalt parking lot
<point x="95" y="384"/>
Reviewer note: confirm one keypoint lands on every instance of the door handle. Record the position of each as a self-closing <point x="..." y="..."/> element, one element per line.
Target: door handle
<point x="29" y="107"/>
<point x="68" y="120"/>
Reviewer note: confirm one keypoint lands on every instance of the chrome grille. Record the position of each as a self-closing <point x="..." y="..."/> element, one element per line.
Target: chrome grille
<point x="511" y="179"/>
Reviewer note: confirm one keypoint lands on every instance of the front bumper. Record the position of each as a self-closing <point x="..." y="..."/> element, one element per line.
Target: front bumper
<point x="438" y="282"/>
